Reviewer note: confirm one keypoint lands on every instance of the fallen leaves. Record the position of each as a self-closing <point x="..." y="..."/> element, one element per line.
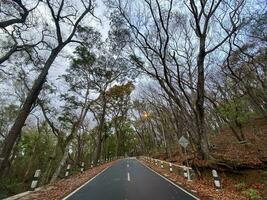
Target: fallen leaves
<point x="205" y="189"/>
<point x="63" y="187"/>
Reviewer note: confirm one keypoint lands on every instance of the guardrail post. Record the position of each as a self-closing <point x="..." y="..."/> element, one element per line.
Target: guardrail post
<point x="67" y="170"/>
<point x="187" y="173"/>
<point x="35" y="179"/>
<point x="217" y="181"/>
<point x="170" y="165"/>
<point x="82" y="167"/>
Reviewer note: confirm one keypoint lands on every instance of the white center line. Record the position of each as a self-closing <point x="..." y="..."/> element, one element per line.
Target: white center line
<point x="128" y="165"/>
<point x="128" y="176"/>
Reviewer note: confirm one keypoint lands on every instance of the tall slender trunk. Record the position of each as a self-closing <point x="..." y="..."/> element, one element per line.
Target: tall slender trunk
<point x="166" y="146"/>
<point x="79" y="150"/>
<point x="98" y="147"/>
<point x="30" y="162"/>
<point x="100" y="131"/>
<point x="155" y="140"/>
<point x="200" y="118"/>
<point x="49" y="166"/>
<point x="32" y="96"/>
<point x="118" y="145"/>
<point x="61" y="165"/>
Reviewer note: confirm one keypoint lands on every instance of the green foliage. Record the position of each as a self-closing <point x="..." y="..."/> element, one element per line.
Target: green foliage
<point x="130" y="140"/>
<point x="253" y="194"/>
<point x="10" y="186"/>
<point x="32" y="152"/>
<point x="240" y="186"/>
<point x="237" y="110"/>
<point x="7" y="115"/>
<point x="119" y="34"/>
<point x="110" y="147"/>
<point x="89" y="36"/>
<point x="137" y="61"/>
<point x="119" y="91"/>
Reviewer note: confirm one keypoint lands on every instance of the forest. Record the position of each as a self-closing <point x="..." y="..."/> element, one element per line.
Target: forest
<point x="84" y="81"/>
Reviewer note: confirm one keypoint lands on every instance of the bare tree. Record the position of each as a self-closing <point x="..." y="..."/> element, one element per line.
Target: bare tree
<point x="15" y="24"/>
<point x="165" y="48"/>
<point x="59" y="16"/>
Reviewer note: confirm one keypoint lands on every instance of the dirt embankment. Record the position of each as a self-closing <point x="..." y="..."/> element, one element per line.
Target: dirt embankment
<point x="241" y="165"/>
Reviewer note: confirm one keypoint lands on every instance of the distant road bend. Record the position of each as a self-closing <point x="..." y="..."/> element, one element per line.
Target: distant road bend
<point x="128" y="179"/>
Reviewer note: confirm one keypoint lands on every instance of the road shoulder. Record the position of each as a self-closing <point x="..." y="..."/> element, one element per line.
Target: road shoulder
<point x="167" y="178"/>
<point x="64" y="187"/>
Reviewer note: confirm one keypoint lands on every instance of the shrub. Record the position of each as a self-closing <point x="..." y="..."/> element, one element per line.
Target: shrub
<point x="253" y="194"/>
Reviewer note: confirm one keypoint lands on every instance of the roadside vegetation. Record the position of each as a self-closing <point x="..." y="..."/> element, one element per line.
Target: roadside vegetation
<point x="79" y="86"/>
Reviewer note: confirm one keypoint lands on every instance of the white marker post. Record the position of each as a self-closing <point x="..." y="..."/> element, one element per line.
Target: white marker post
<point x="161" y="164"/>
<point x="185" y="171"/>
<point x="217" y="181"/>
<point x="92" y="164"/>
<point x="35" y="179"/>
<point x="67" y="170"/>
<point x="170" y="165"/>
<point x="82" y="167"/>
<point x="188" y="174"/>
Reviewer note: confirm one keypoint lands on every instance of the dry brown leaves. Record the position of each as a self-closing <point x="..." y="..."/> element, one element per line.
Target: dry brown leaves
<point x="63" y="187"/>
<point x="205" y="189"/>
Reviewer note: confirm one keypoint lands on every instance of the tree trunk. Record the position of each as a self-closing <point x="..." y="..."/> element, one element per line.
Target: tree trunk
<point x="61" y="165"/>
<point x="79" y="150"/>
<point x="100" y="132"/>
<point x="98" y="147"/>
<point x="166" y="146"/>
<point x="200" y="118"/>
<point x="30" y="163"/>
<point x="32" y="96"/>
<point x="239" y="139"/>
<point x="49" y="166"/>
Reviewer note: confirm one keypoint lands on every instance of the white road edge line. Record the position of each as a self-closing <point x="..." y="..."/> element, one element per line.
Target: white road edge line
<point x="85" y="183"/>
<point x="128" y="176"/>
<point x="169" y="181"/>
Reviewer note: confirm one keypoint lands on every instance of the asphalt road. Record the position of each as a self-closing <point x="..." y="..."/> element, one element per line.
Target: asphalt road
<point x="128" y="179"/>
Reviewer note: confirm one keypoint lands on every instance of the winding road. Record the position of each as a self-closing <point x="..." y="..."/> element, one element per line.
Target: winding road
<point x="129" y="179"/>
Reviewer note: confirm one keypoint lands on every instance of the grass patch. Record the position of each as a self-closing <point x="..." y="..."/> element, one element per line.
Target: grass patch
<point x="253" y="194"/>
